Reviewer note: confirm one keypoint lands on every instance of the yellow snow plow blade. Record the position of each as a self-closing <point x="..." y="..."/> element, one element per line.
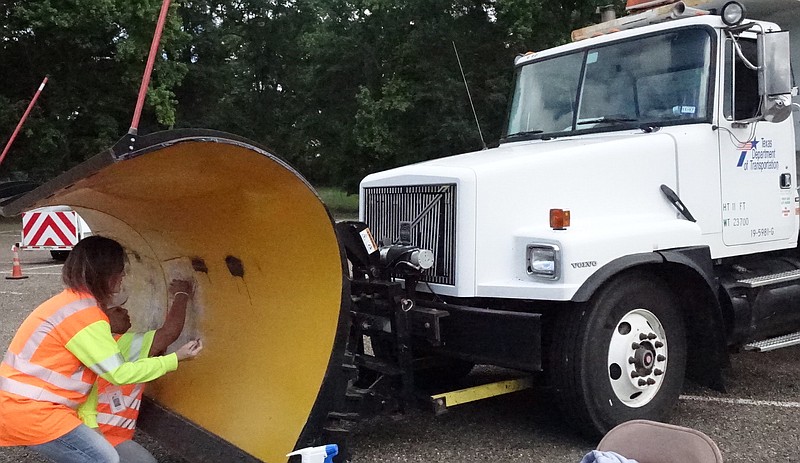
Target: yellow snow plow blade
<point x="260" y="244"/>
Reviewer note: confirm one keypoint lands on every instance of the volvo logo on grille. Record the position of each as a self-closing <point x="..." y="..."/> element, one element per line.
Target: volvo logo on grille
<point x="587" y="264"/>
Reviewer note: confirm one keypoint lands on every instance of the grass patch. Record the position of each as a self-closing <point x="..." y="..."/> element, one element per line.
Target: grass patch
<point x="341" y="205"/>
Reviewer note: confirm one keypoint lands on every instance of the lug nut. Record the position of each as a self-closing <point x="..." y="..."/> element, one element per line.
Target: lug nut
<point x="634" y="374"/>
<point x="660" y="358"/>
<point x="642" y="382"/>
<point x="642" y="336"/>
<point x="659" y="344"/>
<point x="635" y="345"/>
<point x="631" y="360"/>
<point x="658" y="372"/>
<point x="650" y="381"/>
<point x="652" y="336"/>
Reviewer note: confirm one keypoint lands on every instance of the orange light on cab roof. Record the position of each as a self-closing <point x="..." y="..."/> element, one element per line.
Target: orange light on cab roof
<point x="559" y="219"/>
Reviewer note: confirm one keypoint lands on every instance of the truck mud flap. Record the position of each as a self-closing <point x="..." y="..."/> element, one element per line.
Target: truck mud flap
<point x="271" y="301"/>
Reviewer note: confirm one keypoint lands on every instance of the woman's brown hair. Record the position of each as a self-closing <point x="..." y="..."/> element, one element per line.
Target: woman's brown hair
<point x="91" y="265"/>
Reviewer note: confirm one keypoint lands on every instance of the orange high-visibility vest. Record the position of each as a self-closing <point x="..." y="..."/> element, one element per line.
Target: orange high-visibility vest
<point x="41" y="382"/>
<point x="118" y="406"/>
<point x="118" y="424"/>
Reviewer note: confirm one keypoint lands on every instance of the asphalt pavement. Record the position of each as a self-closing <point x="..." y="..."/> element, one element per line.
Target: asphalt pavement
<point x="757" y="419"/>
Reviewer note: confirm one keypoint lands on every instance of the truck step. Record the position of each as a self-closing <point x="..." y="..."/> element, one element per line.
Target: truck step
<point x="770" y="279"/>
<point x="774" y="343"/>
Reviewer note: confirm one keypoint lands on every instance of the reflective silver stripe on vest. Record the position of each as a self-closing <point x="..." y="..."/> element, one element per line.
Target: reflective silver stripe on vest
<point x="114" y="420"/>
<point x="45" y="374"/>
<point x="110" y="364"/>
<point x="130" y="401"/>
<point x="136" y="347"/>
<point x="78" y="375"/>
<point x="34" y="392"/>
<point x="51" y="322"/>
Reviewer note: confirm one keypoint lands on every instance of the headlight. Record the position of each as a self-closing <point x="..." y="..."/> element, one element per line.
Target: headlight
<point x="544" y="260"/>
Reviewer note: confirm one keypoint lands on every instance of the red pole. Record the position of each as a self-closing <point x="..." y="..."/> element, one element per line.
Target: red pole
<point x="22" y="121"/>
<point x="137" y="113"/>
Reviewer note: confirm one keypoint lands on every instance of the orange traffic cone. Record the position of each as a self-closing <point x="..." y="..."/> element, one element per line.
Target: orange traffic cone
<point x="16" y="270"/>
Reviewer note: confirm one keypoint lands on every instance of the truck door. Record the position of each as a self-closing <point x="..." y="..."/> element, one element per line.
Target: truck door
<point x="757" y="159"/>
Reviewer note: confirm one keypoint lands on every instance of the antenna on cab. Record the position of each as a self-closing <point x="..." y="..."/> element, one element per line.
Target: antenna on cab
<point x="469" y="96"/>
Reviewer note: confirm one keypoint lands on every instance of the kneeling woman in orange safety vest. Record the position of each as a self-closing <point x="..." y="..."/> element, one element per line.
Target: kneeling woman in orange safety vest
<point x="58" y="353"/>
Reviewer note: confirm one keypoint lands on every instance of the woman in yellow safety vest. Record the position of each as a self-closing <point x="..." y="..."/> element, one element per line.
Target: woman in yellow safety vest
<point x="58" y="353"/>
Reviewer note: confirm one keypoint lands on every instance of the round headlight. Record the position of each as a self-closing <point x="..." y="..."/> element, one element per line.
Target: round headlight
<point x="732" y="13"/>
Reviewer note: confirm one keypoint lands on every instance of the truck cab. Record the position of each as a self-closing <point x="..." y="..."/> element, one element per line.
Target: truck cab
<point x="639" y="218"/>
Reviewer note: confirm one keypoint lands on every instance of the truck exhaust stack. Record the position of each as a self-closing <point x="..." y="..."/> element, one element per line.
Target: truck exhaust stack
<point x="271" y="300"/>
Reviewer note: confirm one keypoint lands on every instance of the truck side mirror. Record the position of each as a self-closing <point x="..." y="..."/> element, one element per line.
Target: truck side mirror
<point x="775" y="75"/>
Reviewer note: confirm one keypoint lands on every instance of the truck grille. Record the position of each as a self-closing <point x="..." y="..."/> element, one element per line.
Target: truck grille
<point x="430" y="213"/>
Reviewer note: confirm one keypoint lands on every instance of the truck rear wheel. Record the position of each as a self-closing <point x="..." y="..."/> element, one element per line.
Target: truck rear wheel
<point x="59" y="255"/>
<point x="621" y="356"/>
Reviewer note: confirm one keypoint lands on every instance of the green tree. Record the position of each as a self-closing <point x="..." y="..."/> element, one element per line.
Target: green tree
<point x="381" y="85"/>
<point x="339" y="88"/>
<point x="242" y="61"/>
<point x="94" y="53"/>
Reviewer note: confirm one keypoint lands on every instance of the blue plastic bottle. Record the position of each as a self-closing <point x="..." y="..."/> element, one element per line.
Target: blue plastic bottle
<point x="321" y="454"/>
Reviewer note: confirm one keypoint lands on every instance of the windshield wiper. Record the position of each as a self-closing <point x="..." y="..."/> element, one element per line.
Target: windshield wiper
<point x="523" y="134"/>
<point x="606" y="119"/>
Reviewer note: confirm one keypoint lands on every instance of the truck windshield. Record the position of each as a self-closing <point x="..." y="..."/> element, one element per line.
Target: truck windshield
<point x="653" y="81"/>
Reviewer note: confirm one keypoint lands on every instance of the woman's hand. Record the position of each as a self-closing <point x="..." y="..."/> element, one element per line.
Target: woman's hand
<point x="189" y="350"/>
<point x="177" y="287"/>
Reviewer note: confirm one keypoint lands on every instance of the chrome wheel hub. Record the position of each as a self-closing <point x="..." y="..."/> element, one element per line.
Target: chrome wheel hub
<point x="637" y="358"/>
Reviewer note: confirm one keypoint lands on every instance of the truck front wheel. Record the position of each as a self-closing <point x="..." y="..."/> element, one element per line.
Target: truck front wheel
<point x="619" y="357"/>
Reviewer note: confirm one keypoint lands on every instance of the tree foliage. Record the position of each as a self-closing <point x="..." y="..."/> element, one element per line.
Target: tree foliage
<point x="339" y="88"/>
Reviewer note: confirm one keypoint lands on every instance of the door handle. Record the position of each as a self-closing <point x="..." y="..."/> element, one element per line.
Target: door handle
<point x="786" y="180"/>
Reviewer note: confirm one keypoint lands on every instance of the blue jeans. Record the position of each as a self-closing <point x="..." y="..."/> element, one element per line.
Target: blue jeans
<point x="81" y="445"/>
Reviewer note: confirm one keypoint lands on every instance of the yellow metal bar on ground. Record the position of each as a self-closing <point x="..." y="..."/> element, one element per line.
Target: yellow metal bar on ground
<point x="484" y="391"/>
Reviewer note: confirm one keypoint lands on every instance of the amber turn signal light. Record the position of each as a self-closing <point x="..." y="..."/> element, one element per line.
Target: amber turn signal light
<point x="559" y="219"/>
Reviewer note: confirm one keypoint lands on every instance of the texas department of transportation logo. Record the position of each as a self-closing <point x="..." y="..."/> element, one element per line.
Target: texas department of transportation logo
<point x="759" y="159"/>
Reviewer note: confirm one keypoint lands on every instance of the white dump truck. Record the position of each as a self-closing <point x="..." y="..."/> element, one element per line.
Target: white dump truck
<point x="53" y="228"/>
<point x="638" y="220"/>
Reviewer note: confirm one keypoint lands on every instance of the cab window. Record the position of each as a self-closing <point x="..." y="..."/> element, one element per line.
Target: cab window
<point x="741" y="100"/>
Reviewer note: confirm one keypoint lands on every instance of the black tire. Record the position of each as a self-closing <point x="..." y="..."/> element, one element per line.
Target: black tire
<point x="596" y="391"/>
<point x="59" y="255"/>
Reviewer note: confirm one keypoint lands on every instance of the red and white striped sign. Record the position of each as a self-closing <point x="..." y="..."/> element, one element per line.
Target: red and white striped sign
<point x="52" y="229"/>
